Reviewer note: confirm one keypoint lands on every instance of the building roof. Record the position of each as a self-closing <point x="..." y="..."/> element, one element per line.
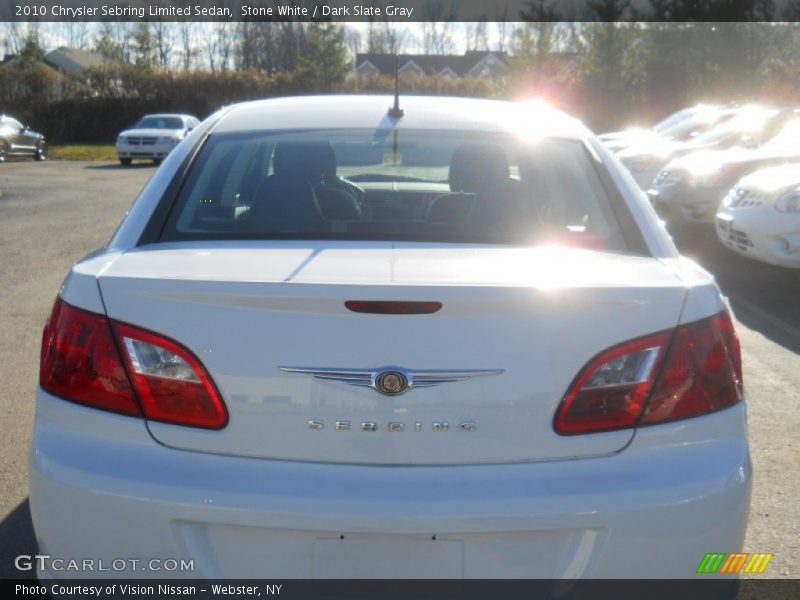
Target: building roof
<point x="13" y="61"/>
<point x="73" y="61"/>
<point x="433" y="64"/>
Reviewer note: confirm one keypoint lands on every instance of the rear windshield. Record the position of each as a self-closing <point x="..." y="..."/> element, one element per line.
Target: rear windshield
<point x="395" y="185"/>
<point x="160" y="123"/>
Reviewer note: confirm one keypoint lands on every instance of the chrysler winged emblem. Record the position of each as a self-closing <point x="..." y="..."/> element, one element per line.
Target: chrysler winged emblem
<point x="391" y="381"/>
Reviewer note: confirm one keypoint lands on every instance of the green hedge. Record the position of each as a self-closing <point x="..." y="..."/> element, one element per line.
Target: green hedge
<point x="123" y="98"/>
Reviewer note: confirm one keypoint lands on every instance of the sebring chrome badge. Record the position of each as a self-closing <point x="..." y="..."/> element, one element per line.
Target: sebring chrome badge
<point x="391" y="381"/>
<point x="392" y="426"/>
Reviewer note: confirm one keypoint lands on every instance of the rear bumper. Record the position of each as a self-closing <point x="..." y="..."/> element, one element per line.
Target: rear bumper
<point x="101" y="488"/>
<point x="762" y="234"/>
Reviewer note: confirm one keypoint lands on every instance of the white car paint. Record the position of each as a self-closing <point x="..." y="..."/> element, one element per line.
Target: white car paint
<point x="750" y="220"/>
<point x="266" y="496"/>
<point x="153" y="143"/>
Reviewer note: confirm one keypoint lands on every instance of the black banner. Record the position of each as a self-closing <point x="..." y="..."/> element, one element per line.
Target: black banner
<point x="292" y="589"/>
<point x="394" y="10"/>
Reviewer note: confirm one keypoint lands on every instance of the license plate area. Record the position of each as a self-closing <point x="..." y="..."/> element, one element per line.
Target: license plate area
<point x="388" y="557"/>
<point x="724" y="224"/>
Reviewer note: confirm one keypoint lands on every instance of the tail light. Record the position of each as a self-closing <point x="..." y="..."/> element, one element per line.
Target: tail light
<point x="140" y="373"/>
<point x="80" y="361"/>
<point x="691" y="371"/>
<point x="171" y="383"/>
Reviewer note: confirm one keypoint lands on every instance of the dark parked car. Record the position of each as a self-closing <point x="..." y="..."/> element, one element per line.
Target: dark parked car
<point x="17" y="139"/>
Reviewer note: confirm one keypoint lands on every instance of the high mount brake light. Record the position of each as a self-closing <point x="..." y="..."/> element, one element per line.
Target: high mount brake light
<point x="688" y="372"/>
<point x="81" y="362"/>
<point x="393" y="307"/>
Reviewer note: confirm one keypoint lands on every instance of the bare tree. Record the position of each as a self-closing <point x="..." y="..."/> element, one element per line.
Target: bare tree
<point x="353" y="41"/>
<point x="187" y="31"/>
<point x="220" y="46"/>
<point x="246" y="45"/>
<point x="476" y="35"/>
<point x="16" y="36"/>
<point x="76" y="34"/>
<point x="164" y="41"/>
<point x="437" y="29"/>
<point x="385" y="38"/>
<point x="501" y="29"/>
<point x="121" y="34"/>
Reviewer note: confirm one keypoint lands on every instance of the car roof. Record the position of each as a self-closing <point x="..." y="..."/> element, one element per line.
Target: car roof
<point x="420" y="112"/>
<point x="163" y="115"/>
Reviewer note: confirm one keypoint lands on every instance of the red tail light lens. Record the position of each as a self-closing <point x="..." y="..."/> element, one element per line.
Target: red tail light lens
<point x="703" y="372"/>
<point x="610" y="391"/>
<point x="691" y="371"/>
<point x="80" y="361"/>
<point x="171" y="383"/>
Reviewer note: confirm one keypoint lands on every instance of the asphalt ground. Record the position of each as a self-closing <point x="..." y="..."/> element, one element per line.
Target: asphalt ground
<point x="53" y="213"/>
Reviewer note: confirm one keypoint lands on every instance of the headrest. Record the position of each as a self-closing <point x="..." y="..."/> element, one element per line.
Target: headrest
<point x="475" y="167"/>
<point x="312" y="161"/>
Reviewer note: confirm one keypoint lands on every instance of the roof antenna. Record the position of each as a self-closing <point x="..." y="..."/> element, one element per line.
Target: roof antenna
<point x="396" y="112"/>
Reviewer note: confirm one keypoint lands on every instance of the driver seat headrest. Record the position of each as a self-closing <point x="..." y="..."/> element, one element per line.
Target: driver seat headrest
<point x="476" y="167"/>
<point x="312" y="161"/>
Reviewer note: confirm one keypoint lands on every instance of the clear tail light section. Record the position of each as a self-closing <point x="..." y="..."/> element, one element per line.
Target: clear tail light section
<point x="171" y="383"/>
<point x="611" y="390"/>
<point x="80" y="361"/>
<point x="139" y="373"/>
<point x="691" y="371"/>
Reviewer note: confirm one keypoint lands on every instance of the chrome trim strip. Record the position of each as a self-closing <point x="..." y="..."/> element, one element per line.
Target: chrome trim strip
<point x="416" y="378"/>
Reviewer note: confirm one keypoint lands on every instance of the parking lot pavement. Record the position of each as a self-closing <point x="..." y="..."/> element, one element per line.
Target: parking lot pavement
<point x="53" y="213"/>
<point x="766" y="303"/>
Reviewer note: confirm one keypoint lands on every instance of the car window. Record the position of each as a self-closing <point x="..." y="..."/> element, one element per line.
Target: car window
<point x="388" y="185"/>
<point x="160" y="123"/>
<point x="11" y="124"/>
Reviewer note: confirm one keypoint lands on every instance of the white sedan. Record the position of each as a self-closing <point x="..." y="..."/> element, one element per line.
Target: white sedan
<point x="153" y="137"/>
<point x="760" y="216"/>
<point x="328" y="341"/>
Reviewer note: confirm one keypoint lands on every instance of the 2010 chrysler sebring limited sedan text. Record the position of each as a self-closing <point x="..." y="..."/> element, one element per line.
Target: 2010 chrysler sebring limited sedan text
<point x="331" y="341"/>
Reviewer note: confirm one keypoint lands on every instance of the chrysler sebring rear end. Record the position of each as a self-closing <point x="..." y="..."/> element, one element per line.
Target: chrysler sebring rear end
<point x="326" y="342"/>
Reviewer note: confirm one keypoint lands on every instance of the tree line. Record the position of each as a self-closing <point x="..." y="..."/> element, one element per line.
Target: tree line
<point x="609" y="72"/>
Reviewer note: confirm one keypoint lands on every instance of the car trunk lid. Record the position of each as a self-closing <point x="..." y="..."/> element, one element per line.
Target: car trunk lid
<point x="257" y="314"/>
